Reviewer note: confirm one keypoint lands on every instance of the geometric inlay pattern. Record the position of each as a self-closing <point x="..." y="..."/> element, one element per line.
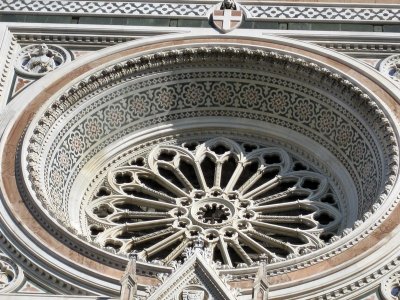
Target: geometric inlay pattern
<point x="331" y="13"/>
<point x="263" y="12"/>
<point x="109" y="7"/>
<point x="281" y="99"/>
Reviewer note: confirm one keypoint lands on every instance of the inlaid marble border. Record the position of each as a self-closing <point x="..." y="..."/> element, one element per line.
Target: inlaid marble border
<point x="267" y="12"/>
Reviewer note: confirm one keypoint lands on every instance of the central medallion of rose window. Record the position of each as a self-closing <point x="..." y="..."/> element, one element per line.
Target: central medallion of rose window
<point x="212" y="212"/>
<point x="241" y="199"/>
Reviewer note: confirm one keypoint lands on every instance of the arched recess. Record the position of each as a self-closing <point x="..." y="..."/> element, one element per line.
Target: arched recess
<point x="357" y="152"/>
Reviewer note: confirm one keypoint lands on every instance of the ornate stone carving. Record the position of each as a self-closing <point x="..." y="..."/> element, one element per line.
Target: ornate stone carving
<point x="327" y="13"/>
<point x="347" y="231"/>
<point x="191" y="294"/>
<point x="6" y="63"/>
<point x="248" y="202"/>
<point x="195" y="279"/>
<point x="38" y="60"/>
<point x="129" y="280"/>
<point x="260" y="285"/>
<point x="341" y="137"/>
<point x="227" y="16"/>
<point x="390" y="67"/>
<point x="390" y="287"/>
<point x="228" y="4"/>
<point x="11" y="276"/>
<point x="365" y="108"/>
<point x="6" y="274"/>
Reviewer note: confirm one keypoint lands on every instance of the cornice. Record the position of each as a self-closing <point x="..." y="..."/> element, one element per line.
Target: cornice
<point x="290" y="12"/>
<point x="9" y="47"/>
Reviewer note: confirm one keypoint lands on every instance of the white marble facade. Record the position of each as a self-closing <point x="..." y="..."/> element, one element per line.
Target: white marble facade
<point x="208" y="162"/>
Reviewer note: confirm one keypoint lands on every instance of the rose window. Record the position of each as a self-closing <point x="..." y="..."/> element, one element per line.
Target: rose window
<point x="243" y="200"/>
<point x="237" y="144"/>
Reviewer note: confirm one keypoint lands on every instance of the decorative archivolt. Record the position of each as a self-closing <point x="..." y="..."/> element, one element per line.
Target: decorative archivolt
<point x="80" y="143"/>
<point x="225" y="210"/>
<point x="242" y="200"/>
<point x="344" y="135"/>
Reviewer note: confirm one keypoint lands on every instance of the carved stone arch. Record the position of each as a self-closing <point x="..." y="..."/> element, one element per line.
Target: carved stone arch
<point x="70" y="159"/>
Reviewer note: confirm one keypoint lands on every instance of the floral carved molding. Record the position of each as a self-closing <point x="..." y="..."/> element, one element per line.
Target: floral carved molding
<point x="120" y="74"/>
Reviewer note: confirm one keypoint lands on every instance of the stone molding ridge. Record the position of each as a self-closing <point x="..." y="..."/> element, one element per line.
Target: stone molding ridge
<point x="54" y="283"/>
<point x="119" y="71"/>
<point x="196" y="274"/>
<point x="385" y="277"/>
<point x="9" y="48"/>
<point x="116" y="72"/>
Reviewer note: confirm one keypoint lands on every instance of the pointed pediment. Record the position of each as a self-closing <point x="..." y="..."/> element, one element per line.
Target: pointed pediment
<point x="129" y="281"/>
<point x="261" y="285"/>
<point x="194" y="279"/>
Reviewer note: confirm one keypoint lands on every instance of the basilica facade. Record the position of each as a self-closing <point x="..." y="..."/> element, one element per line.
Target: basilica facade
<point x="199" y="150"/>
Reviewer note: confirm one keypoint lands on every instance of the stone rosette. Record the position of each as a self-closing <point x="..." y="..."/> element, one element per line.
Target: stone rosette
<point x="32" y="64"/>
<point x="390" y="67"/>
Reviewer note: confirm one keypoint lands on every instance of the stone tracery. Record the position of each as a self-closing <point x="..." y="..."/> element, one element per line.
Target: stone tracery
<point x="241" y="202"/>
<point x="11" y="275"/>
<point x="343" y="135"/>
<point x="37" y="60"/>
<point x="7" y="274"/>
